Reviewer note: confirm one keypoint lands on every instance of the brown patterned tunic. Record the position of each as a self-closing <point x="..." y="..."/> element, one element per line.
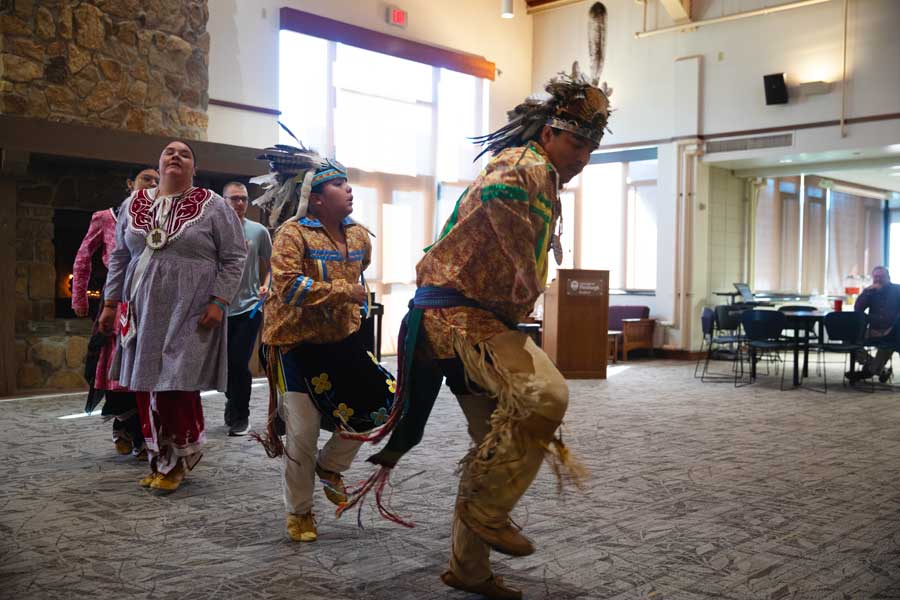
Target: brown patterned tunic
<point x="309" y="299"/>
<point x="494" y="248"/>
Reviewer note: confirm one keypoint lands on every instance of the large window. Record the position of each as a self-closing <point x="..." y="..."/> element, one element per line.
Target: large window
<point x="617" y="229"/>
<point x="813" y="235"/>
<point x="402" y="128"/>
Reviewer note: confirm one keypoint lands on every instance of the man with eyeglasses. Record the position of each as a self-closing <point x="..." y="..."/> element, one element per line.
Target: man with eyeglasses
<point x="244" y="318"/>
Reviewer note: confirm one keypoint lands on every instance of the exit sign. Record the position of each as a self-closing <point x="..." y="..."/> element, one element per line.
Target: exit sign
<point x="396" y="16"/>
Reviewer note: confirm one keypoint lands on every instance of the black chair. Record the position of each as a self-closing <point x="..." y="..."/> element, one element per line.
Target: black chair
<point x="716" y="340"/>
<point x="728" y="319"/>
<point x="846" y="333"/>
<point x="890" y="342"/>
<point x="762" y="336"/>
<point x="707" y="317"/>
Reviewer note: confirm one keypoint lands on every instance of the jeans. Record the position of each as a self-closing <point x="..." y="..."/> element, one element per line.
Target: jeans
<point x="242" y="331"/>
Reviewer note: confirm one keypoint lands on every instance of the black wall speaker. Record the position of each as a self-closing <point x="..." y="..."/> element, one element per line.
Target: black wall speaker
<point x="776" y="91"/>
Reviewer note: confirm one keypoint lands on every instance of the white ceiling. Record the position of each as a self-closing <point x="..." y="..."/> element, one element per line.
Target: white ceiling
<point x="877" y="167"/>
<point x="883" y="178"/>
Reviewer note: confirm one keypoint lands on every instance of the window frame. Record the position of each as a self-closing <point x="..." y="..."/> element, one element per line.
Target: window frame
<point x="624" y="157"/>
<point x="386" y="184"/>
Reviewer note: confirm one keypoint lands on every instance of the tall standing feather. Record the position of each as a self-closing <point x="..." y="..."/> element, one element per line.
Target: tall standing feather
<point x="597" y="40"/>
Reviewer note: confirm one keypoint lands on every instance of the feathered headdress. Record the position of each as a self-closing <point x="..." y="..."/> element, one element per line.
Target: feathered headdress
<point x="571" y="103"/>
<point x="293" y="173"/>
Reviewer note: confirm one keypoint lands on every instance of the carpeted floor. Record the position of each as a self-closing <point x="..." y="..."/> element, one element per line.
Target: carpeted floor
<point x="698" y="491"/>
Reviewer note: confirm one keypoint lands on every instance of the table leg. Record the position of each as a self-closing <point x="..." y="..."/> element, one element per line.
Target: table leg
<point x="796" y="357"/>
<point x="805" y="352"/>
<point x="752" y="363"/>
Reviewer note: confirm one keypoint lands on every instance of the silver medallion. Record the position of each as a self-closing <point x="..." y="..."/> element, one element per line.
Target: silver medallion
<point x="556" y="244"/>
<point x="156" y="238"/>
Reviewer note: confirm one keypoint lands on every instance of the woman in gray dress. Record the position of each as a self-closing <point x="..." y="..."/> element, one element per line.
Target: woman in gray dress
<point x="178" y="261"/>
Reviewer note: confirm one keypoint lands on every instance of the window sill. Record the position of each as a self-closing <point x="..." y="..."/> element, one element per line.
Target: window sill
<point x="632" y="293"/>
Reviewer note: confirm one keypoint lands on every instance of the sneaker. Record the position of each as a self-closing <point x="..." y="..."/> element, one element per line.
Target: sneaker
<point x="333" y="485"/>
<point x="493" y="588"/>
<point x="240" y="428"/>
<point x="302" y="528"/>
<point x="885" y="375"/>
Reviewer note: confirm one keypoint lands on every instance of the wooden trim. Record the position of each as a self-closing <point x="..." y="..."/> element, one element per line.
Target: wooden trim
<point x="39" y="136"/>
<point x="367" y="39"/>
<point x="8" y="364"/>
<point x="673" y="354"/>
<point x="746" y="132"/>
<point x="595" y="374"/>
<point x="534" y="7"/>
<point x="246" y="107"/>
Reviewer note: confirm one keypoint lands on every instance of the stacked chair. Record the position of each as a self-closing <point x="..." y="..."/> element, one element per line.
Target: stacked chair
<point x="721" y="334"/>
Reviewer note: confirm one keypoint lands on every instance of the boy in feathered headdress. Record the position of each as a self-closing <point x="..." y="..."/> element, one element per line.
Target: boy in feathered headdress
<point x="320" y="374"/>
<point x="475" y="284"/>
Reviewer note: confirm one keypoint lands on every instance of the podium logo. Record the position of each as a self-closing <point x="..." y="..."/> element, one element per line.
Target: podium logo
<point x="585" y="288"/>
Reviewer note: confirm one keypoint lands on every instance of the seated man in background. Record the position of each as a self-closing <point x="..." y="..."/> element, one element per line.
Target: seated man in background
<point x="882" y="299"/>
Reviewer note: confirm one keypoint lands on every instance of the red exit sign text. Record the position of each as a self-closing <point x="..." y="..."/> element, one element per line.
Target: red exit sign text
<point x="396" y="16"/>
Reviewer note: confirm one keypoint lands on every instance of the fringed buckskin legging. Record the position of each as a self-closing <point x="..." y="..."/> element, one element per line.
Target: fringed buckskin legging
<point x="512" y="430"/>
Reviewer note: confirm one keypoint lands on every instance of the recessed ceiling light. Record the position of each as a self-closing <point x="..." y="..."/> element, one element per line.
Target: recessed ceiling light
<point x="786" y="160"/>
<point x="896" y="167"/>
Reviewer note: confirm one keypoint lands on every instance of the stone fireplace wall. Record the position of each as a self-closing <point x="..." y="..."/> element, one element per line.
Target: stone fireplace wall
<point x="50" y="352"/>
<point x="138" y="65"/>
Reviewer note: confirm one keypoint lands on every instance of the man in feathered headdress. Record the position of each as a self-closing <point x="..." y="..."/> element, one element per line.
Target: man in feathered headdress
<point x="320" y="374"/>
<point x="475" y="284"/>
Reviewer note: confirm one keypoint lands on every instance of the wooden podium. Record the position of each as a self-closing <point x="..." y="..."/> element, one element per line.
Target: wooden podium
<point x="576" y="319"/>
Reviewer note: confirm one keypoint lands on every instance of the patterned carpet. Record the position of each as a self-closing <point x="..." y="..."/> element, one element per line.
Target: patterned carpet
<point x="698" y="491"/>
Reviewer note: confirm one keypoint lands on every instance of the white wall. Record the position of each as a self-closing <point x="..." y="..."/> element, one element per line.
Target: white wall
<point x="804" y="43"/>
<point x="243" y="65"/>
<point x="727" y="223"/>
<point x="650" y="82"/>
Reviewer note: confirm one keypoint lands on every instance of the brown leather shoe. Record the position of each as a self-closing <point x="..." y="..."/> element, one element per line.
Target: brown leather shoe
<point x="506" y="539"/>
<point x="333" y="484"/>
<point x="493" y="588"/>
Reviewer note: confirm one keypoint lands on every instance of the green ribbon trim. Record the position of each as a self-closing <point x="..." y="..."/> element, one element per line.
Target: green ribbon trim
<point x="451" y="222"/>
<point x="540" y="249"/>
<point x="543" y="200"/>
<point x="503" y="192"/>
